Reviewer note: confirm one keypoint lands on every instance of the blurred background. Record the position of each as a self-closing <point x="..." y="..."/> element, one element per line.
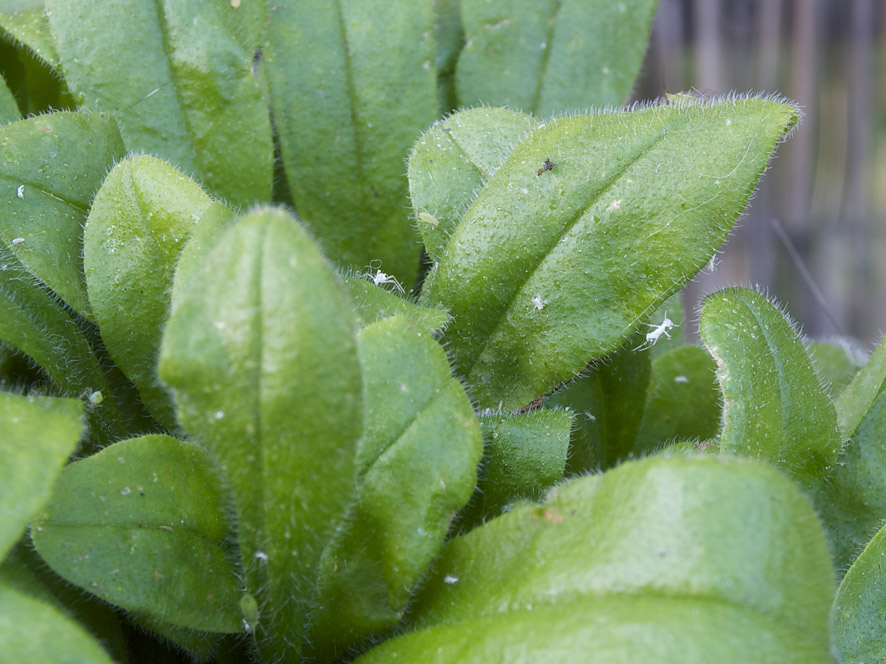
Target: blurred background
<point x="814" y="236"/>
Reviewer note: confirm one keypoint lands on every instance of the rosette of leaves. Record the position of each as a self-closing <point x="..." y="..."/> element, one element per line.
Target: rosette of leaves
<point x="234" y="419"/>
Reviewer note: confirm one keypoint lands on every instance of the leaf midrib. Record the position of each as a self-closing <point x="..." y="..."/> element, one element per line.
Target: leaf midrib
<point x="550" y="31"/>
<point x="656" y="138"/>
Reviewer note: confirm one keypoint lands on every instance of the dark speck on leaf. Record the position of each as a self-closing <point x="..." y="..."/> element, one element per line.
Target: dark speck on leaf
<point x="547" y="166"/>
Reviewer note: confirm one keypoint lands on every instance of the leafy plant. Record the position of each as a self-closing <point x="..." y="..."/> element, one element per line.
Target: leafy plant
<point x="254" y="409"/>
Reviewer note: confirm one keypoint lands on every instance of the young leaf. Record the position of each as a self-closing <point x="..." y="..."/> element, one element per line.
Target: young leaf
<point x="590" y="224"/>
<point x="858" y="397"/>
<point x="608" y="401"/>
<point x="185" y="94"/>
<point x="24" y="571"/>
<point x="855" y="491"/>
<point x="453" y="160"/>
<point x="417" y="464"/>
<point x="837" y="362"/>
<point x="683" y="400"/>
<point x="52" y="166"/>
<point x="30" y="27"/>
<point x="35" y="325"/>
<point x="141" y="525"/>
<point x="551" y="55"/>
<point x="703" y="559"/>
<point x="140" y="221"/>
<point x="33" y="631"/>
<point x="39" y="434"/>
<point x="525" y="456"/>
<point x="858" y="619"/>
<point x="774" y="405"/>
<point x="352" y="85"/>
<point x="374" y="303"/>
<point x="261" y="354"/>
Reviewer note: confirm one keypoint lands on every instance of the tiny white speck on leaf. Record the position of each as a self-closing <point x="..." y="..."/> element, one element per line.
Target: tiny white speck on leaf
<point x="681" y="379"/>
<point x="18" y="240"/>
<point x="20" y="192"/>
<point x="219" y="414"/>
<point x="451" y="580"/>
<point x="125" y="491"/>
<point x="614" y="205"/>
<point x="538" y="302"/>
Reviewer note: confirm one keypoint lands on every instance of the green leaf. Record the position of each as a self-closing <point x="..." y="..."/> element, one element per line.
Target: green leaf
<point x="525" y="456"/>
<point x="774" y="405"/>
<point x="32" y="631"/>
<point x="859" y="616"/>
<point x="374" y="303"/>
<point x="856" y="400"/>
<point x="201" y="646"/>
<point x="417" y="465"/>
<point x="352" y="85"/>
<point x="453" y="160"/>
<point x="23" y="570"/>
<point x="551" y="269"/>
<point x="836" y="362"/>
<point x="449" y="39"/>
<point x="140" y="221"/>
<point x="261" y="354"/>
<point x="52" y="165"/>
<point x="30" y="27"/>
<point x="141" y="524"/>
<point x="855" y="492"/>
<point x="8" y="108"/>
<point x="704" y="559"/>
<point x="683" y="400"/>
<point x="39" y="434"/>
<point x="608" y="401"/>
<point x="33" y="323"/>
<point x="185" y="93"/>
<point x="552" y="55"/>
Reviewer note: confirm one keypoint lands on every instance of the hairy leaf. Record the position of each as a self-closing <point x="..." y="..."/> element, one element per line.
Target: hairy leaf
<point x="374" y="303"/>
<point x="837" y="362"/>
<point x="856" y="400"/>
<point x="859" y="616"/>
<point x="261" y="354"/>
<point x="703" y="559"/>
<point x="51" y="167"/>
<point x="33" y="631"/>
<point x="545" y="56"/>
<point x="525" y="456"/>
<point x="683" y="400"/>
<point x="855" y="491"/>
<point x="352" y="84"/>
<point x="774" y="405"/>
<point x="141" y="525"/>
<point x="30" y="27"/>
<point x="417" y="464"/>
<point x="39" y="434"/>
<point x="178" y="75"/>
<point x="142" y="217"/>
<point x="555" y="266"/>
<point x="453" y="160"/>
<point x="35" y="325"/>
<point x="608" y="401"/>
<point x="23" y="570"/>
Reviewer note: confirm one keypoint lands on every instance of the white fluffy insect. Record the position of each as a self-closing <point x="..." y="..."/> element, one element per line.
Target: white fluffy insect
<point x="380" y="278"/>
<point x="657" y="332"/>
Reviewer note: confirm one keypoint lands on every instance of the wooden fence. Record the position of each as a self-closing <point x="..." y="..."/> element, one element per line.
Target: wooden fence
<point x="815" y="234"/>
